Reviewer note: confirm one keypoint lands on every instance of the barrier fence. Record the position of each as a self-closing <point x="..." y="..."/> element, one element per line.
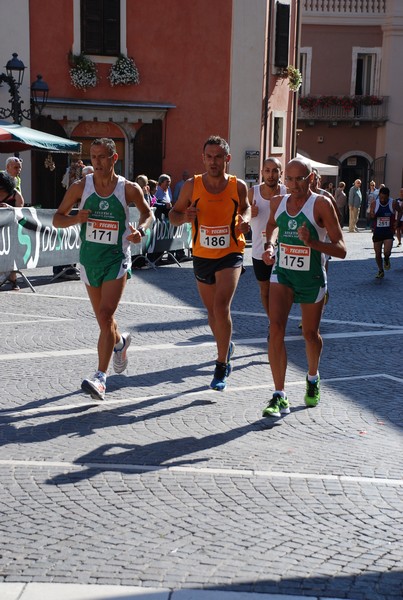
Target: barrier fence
<point x="28" y="239"/>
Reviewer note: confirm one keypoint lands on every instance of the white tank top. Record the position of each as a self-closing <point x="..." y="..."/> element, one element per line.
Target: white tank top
<point x="258" y="223"/>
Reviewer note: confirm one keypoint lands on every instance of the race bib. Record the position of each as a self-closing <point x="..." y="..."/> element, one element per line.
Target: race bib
<point x="215" y="237"/>
<point x="102" y="232"/>
<point x="295" y="258"/>
<point x="383" y="222"/>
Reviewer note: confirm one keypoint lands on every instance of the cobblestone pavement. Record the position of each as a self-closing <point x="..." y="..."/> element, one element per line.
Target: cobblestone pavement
<point x="172" y="489"/>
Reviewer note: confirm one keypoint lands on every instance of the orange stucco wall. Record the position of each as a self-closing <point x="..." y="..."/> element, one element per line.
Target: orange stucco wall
<point x="183" y="58"/>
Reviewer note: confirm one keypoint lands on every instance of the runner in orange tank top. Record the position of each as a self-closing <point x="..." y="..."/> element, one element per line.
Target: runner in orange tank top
<point x="218" y="207"/>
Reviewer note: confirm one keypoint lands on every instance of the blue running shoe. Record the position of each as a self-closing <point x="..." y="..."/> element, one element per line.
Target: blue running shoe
<point x="221" y="372"/>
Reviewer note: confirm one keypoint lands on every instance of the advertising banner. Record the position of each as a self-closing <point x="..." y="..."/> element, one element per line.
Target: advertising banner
<point x="28" y="239"/>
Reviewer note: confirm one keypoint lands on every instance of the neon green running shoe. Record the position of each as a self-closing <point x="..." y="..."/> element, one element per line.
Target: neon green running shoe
<point x="312" y="395"/>
<point x="276" y="407"/>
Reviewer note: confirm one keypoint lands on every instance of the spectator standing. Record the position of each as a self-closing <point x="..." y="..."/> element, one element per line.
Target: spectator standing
<point x="9" y="198"/>
<point x="217" y="205"/>
<point x="179" y="185"/>
<point x="163" y="196"/>
<point x="74" y="172"/>
<point x="399" y="218"/>
<point x="14" y="168"/>
<point x="372" y="194"/>
<point x="354" y="205"/>
<point x="341" y="201"/>
<point x="152" y="184"/>
<point x="142" y="180"/>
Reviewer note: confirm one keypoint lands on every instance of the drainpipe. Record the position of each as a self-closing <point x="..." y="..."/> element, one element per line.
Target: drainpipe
<point x="296" y="64"/>
<point x="267" y="75"/>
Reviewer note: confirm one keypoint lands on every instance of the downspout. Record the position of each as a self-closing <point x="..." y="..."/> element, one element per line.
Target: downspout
<point x="296" y="64"/>
<point x="267" y="74"/>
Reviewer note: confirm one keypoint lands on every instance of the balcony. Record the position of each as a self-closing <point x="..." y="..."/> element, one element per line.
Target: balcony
<point x="338" y="12"/>
<point x="349" y="6"/>
<point x="343" y="108"/>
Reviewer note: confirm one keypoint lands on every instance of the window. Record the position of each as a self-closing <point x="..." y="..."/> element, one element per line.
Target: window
<point x="277" y="132"/>
<point x="282" y="34"/>
<point x="100" y="27"/>
<point x="305" y="62"/>
<point x="366" y="71"/>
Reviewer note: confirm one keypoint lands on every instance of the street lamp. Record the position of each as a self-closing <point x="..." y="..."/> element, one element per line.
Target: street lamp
<point x="39" y="92"/>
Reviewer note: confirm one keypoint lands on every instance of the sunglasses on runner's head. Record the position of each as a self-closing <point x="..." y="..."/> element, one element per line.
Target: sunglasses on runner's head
<point x="296" y="179"/>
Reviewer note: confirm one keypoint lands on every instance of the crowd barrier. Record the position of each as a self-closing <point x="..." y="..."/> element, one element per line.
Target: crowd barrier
<point x="28" y="240"/>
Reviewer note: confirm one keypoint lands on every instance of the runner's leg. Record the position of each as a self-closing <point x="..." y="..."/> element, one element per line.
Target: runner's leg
<point x="280" y="302"/>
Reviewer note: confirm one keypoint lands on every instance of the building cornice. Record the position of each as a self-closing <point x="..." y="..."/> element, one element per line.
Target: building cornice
<point x="105" y="110"/>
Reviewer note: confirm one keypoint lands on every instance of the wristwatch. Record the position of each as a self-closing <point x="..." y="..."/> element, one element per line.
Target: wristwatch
<point x="267" y="244"/>
<point x="141" y="231"/>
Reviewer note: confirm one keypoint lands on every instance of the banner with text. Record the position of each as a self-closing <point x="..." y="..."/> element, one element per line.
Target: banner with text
<point x="28" y="239"/>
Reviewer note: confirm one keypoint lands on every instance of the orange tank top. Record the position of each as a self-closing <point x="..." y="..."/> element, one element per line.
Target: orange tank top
<point x="214" y="230"/>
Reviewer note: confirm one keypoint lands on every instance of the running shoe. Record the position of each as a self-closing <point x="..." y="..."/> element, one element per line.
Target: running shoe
<point x="380" y="275"/>
<point x="221" y="372"/>
<point x="120" y="359"/>
<point x="277" y="406"/>
<point x="312" y="395"/>
<point x="95" y="387"/>
<point x="386" y="264"/>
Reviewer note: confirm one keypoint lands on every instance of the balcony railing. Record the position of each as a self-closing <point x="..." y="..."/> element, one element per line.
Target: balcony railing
<point x="345" y="6"/>
<point x="343" y="108"/>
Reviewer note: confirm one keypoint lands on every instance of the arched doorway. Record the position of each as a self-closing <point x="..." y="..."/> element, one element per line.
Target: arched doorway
<point x="352" y="168"/>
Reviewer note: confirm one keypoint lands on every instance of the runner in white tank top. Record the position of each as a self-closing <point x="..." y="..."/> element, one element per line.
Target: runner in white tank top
<point x="260" y="199"/>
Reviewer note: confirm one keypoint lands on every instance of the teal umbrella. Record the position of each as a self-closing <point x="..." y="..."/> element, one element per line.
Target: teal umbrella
<point x="15" y="138"/>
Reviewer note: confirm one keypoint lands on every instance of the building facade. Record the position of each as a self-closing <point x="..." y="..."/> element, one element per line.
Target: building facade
<point x="350" y="102"/>
<point x="214" y="68"/>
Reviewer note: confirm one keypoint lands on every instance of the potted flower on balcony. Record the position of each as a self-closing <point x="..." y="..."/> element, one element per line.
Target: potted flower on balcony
<point x="308" y="102"/>
<point x="83" y="71"/>
<point x="124" y="72"/>
<point x="294" y="77"/>
<point x="370" y="100"/>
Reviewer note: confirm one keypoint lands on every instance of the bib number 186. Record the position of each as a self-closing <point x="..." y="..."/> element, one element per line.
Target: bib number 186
<point x="214" y="237"/>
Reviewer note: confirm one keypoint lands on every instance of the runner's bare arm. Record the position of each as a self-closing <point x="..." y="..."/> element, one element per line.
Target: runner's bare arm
<point x="325" y="216"/>
<point x="62" y="217"/>
<point x="134" y="195"/>
<point x="183" y="210"/>
<point x="271" y="232"/>
<point x="244" y="207"/>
